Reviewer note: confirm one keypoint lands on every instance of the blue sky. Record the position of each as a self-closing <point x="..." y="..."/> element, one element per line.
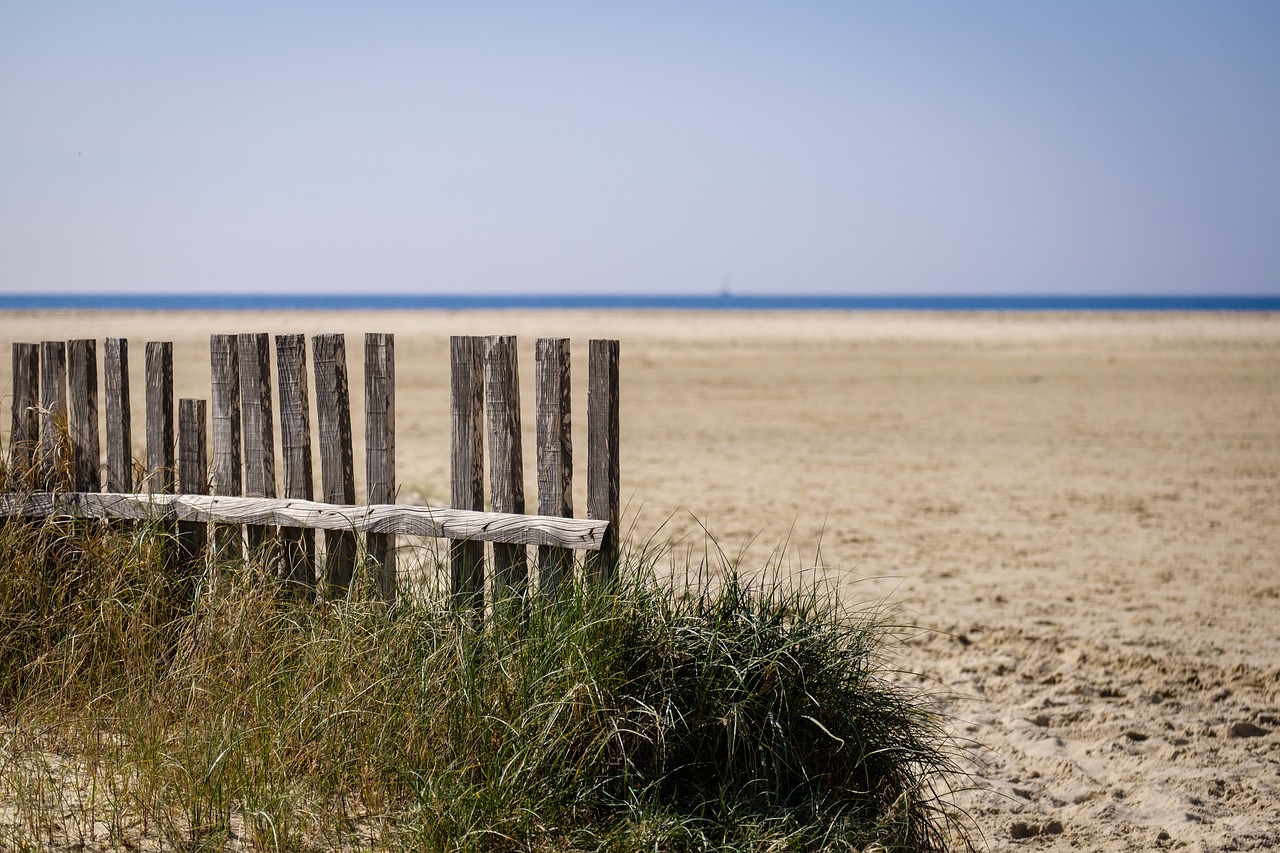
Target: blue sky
<point x="847" y="147"/>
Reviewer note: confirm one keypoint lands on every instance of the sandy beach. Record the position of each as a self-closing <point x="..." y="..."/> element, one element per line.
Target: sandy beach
<point x="1081" y="514"/>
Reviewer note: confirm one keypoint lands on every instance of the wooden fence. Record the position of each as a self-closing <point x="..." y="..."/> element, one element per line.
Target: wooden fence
<point x="55" y="464"/>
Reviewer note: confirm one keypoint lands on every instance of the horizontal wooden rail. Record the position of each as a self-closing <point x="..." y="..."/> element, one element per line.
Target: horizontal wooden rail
<point x="582" y="534"/>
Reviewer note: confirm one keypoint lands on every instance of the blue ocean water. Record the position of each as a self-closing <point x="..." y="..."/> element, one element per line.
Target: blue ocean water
<point x="724" y="302"/>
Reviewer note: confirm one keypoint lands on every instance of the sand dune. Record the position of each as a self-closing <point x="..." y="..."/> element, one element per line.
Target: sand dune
<point x="1082" y="510"/>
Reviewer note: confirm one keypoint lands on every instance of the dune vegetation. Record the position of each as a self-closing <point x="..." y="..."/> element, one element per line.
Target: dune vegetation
<point x="143" y="710"/>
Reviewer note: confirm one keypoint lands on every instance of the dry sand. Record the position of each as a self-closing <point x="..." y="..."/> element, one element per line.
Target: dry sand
<point x="1083" y="511"/>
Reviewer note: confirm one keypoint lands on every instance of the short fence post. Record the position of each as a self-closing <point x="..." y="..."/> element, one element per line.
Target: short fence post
<point x="53" y="414"/>
<point x="299" y="544"/>
<point x="555" y="454"/>
<point x="193" y="467"/>
<point x="506" y="463"/>
<point x="160" y="461"/>
<point x="337" y="464"/>
<point x="380" y="450"/>
<point x="82" y="386"/>
<point x="603" y="490"/>
<point x="224" y="476"/>
<point x="466" y="488"/>
<point x="259" y="443"/>
<point x="24" y="437"/>
<point x="115" y="374"/>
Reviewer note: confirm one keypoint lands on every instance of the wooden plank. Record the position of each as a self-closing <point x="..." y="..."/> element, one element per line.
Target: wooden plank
<point x="82" y="415"/>
<point x="603" y="468"/>
<point x="441" y="522"/>
<point x="193" y="479"/>
<point x="466" y="482"/>
<point x="298" y="545"/>
<point x="506" y="463"/>
<point x="115" y="375"/>
<point x="256" y="415"/>
<point x="555" y="454"/>
<point x="224" y="405"/>
<point x="24" y="437"/>
<point x="193" y="446"/>
<point x="161" y="465"/>
<point x="337" y="465"/>
<point x="380" y="450"/>
<point x="257" y="432"/>
<point x="53" y="415"/>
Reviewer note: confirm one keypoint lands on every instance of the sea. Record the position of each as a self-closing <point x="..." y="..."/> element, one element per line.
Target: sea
<point x="657" y="302"/>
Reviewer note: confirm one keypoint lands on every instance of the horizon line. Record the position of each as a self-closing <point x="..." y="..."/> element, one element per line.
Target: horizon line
<point x="169" y="300"/>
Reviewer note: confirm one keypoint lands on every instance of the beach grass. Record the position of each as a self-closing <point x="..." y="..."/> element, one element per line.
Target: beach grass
<point x="139" y="710"/>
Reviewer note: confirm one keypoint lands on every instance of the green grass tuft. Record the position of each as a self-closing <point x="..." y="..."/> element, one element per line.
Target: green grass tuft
<point x="135" y="710"/>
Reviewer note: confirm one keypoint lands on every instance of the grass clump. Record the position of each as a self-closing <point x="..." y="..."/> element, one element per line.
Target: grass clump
<point x="136" y="711"/>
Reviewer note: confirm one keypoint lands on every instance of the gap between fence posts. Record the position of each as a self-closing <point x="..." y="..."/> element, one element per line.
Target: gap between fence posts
<point x="466" y="483"/>
<point x="380" y="451"/>
<point x="298" y="544"/>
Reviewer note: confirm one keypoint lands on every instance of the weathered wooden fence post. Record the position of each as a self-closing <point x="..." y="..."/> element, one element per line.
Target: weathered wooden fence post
<point x="603" y="490"/>
<point x="115" y="374"/>
<point x="555" y="454"/>
<point x="25" y="436"/>
<point x="53" y="414"/>
<point x="82" y="386"/>
<point x="224" y="476"/>
<point x="380" y="450"/>
<point x="193" y="468"/>
<point x="258" y="423"/>
<point x="162" y="466"/>
<point x="466" y="487"/>
<point x="299" y="544"/>
<point x="506" y="461"/>
<point x="337" y="463"/>
<point x="160" y="447"/>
